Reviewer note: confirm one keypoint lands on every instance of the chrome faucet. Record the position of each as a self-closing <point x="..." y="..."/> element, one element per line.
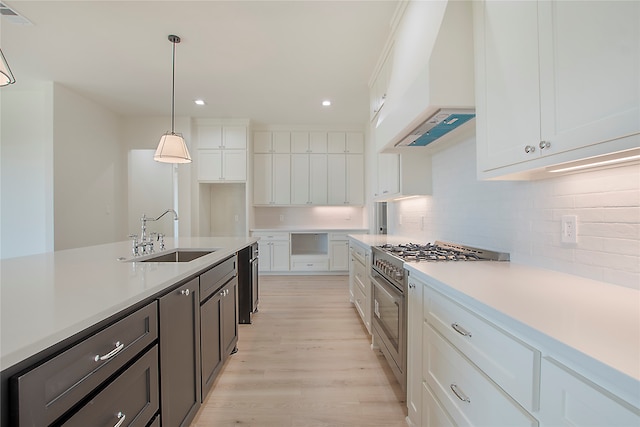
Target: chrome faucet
<point x="146" y="244"/>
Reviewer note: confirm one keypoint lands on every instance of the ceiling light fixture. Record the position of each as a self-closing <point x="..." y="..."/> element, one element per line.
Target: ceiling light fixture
<point x="200" y="102"/>
<point x="6" y="76"/>
<point x="326" y="103"/>
<point x="172" y="147"/>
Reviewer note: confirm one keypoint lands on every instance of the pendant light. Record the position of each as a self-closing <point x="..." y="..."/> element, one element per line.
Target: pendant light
<point x="172" y="147"/>
<point x="6" y="76"/>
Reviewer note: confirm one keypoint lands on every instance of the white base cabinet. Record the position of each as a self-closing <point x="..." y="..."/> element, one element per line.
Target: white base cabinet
<point x="568" y="399"/>
<point x="359" y="282"/>
<point x="273" y="251"/>
<point x="477" y="370"/>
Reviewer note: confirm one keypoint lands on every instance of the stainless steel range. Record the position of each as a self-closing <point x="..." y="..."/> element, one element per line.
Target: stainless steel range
<point x="389" y="280"/>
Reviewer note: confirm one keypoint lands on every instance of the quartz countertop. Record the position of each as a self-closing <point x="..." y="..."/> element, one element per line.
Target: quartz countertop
<point x="49" y="297"/>
<point x="594" y="322"/>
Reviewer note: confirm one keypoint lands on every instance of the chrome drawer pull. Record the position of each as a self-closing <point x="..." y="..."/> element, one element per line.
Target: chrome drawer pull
<point x="121" y="417"/>
<point x="459" y="329"/>
<point x="459" y="393"/>
<point x="185" y="292"/>
<point x="112" y="353"/>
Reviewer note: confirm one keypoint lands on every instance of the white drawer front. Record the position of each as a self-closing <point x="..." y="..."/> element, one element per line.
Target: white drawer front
<point x="508" y="361"/>
<point x="360" y="301"/>
<point x="361" y="278"/>
<point x="310" y="265"/>
<point x="275" y="235"/>
<point x="467" y="395"/>
<point x="567" y="399"/>
<point x="433" y="414"/>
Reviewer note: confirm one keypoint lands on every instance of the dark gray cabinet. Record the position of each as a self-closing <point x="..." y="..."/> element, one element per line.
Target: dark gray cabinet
<point x="211" y="343"/>
<point x="45" y="393"/>
<point x="130" y="400"/>
<point x="179" y="313"/>
<point x="218" y="319"/>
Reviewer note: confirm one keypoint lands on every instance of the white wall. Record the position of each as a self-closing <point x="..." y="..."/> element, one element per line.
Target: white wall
<point x="89" y="172"/>
<point x="143" y="133"/>
<point x="26" y="169"/>
<point x="523" y="217"/>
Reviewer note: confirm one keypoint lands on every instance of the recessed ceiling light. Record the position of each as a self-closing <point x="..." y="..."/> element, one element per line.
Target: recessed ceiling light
<point x="200" y="102"/>
<point x="326" y="103"/>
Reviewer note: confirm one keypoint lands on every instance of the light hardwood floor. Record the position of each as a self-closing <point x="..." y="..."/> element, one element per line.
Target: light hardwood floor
<point x="305" y="360"/>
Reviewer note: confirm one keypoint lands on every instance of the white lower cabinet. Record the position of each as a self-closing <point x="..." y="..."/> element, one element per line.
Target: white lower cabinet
<point x="338" y="252"/>
<point x="273" y="250"/>
<point x="433" y="414"/>
<point x="476" y="370"/>
<point x="568" y="399"/>
<point x="467" y="394"/>
<point x="359" y="283"/>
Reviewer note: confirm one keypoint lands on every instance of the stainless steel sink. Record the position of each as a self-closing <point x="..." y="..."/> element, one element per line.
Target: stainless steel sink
<point x="177" y="255"/>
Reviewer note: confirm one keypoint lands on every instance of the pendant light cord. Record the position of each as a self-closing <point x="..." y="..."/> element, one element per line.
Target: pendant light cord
<point x="173" y="84"/>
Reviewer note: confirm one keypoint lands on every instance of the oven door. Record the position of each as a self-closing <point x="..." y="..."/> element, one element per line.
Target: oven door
<point x="390" y="324"/>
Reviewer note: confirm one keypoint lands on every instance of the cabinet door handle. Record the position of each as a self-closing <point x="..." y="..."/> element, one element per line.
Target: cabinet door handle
<point x="119" y="347"/>
<point x="459" y="393"/>
<point x="459" y="329"/>
<point x="529" y="149"/>
<point x="185" y="292"/>
<point x="121" y="417"/>
<point x="544" y="144"/>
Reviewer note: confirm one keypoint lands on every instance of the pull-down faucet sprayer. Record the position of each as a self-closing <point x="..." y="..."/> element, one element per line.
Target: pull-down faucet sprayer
<point x="144" y="219"/>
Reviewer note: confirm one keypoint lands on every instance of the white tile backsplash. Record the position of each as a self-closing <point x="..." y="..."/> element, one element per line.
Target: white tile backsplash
<point x="523" y="217"/>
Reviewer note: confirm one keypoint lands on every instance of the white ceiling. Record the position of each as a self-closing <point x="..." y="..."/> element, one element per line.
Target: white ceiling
<point x="270" y="61"/>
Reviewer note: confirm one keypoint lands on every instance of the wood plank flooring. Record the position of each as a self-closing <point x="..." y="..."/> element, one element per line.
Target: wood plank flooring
<point x="305" y="360"/>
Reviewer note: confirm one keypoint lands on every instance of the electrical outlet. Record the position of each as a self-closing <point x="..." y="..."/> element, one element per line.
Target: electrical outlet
<point x="281" y="218"/>
<point x="400" y="219"/>
<point x="569" y="229"/>
<point x="237" y="217"/>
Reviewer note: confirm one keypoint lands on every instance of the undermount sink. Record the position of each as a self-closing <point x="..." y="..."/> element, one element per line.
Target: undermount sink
<point x="177" y="255"/>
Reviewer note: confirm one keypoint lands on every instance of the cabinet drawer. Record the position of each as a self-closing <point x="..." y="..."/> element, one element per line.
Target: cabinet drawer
<point x="338" y="236"/>
<point x="274" y="235"/>
<point x="433" y="414"/>
<point x="467" y="395"/>
<point x="133" y="395"/>
<point x="359" y="252"/>
<point x="359" y="299"/>
<point x="508" y="361"/>
<point x="361" y="277"/>
<point x="568" y="399"/>
<point x="310" y="265"/>
<point x="49" y="390"/>
<point x="213" y="279"/>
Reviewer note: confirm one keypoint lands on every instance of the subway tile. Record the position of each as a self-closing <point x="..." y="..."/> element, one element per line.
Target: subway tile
<point x="609" y="199"/>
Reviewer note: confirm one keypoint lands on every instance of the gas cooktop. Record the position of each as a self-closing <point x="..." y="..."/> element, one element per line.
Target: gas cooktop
<point x="441" y="251"/>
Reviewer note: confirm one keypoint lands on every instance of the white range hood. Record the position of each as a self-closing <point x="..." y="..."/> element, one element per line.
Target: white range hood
<point x="444" y="85"/>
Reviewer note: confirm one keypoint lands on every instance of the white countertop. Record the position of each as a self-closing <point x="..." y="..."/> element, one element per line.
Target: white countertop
<point x="578" y="316"/>
<point x="47" y="298"/>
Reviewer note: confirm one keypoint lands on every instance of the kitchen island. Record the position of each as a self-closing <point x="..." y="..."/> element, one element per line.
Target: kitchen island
<point x="51" y="301"/>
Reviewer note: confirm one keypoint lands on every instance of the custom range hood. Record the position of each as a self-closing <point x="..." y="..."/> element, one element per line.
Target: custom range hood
<point x="431" y="92"/>
<point x="436" y="126"/>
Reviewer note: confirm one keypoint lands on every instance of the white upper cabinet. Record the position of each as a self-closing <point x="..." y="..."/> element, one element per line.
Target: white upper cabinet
<point x="309" y="142"/>
<point x="271" y="142"/>
<point x="308" y="179"/>
<point x="271" y="179"/>
<point x="345" y="142"/>
<point x="556" y="81"/>
<point x="222" y="153"/>
<point x="346" y="179"/>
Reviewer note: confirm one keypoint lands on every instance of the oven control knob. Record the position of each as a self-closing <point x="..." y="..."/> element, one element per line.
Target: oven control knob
<point x="399" y="274"/>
